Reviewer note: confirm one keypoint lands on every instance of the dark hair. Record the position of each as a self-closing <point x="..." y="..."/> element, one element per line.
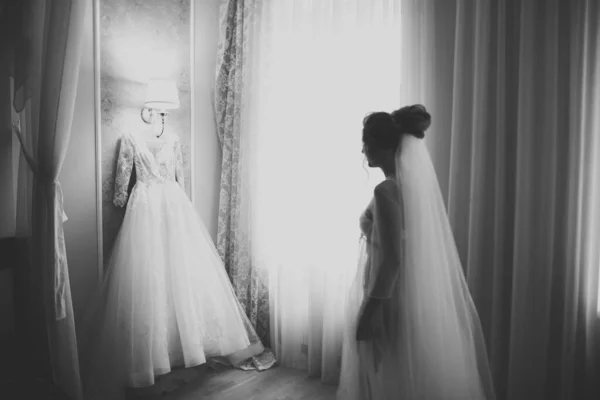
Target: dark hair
<point x="383" y="130"/>
<point x="413" y="120"/>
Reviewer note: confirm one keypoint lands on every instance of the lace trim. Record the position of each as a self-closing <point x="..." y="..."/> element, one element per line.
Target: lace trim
<point x="123" y="172"/>
<point x="179" y="173"/>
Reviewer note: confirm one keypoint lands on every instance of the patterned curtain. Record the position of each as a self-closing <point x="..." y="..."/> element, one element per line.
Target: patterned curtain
<point x="233" y="236"/>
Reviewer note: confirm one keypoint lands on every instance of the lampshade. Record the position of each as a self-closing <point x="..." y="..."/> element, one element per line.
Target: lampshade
<point x="162" y="94"/>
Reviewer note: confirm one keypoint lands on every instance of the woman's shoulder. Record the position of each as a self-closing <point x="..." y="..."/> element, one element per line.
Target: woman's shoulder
<point x="387" y="185"/>
<point x="388" y="189"/>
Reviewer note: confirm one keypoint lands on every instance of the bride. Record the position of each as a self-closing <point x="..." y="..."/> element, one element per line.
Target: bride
<point x="166" y="299"/>
<point x="412" y="330"/>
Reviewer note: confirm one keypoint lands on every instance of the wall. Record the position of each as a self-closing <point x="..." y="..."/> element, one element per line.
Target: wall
<point x="79" y="171"/>
<point x="207" y="149"/>
<point x="140" y="40"/>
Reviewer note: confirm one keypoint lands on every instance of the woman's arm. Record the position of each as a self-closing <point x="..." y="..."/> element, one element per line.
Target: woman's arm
<point x="125" y="167"/>
<point x="388" y="222"/>
<point x="387" y="262"/>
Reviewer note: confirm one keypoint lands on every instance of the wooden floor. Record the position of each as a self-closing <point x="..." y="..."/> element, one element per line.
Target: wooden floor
<point x="278" y="383"/>
<point x="202" y="383"/>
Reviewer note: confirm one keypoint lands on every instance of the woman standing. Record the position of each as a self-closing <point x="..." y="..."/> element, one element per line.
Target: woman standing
<point x="412" y="329"/>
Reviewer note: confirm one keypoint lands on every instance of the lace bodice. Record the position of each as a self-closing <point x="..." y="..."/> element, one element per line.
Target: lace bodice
<point x="164" y="164"/>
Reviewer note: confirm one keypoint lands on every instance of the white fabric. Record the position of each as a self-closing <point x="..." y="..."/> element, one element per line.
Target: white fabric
<point x="304" y="181"/>
<point x="432" y="346"/>
<point x="513" y="140"/>
<point x="513" y="88"/>
<point x="166" y="299"/>
<point x="43" y="52"/>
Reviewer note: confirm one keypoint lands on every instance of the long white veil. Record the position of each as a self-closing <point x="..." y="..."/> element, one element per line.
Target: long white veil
<point x="443" y="345"/>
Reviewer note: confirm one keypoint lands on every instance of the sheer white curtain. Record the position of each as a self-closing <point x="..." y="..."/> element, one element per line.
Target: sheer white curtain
<point x="513" y="87"/>
<point x="43" y="55"/>
<point x="514" y="90"/>
<point x="315" y="69"/>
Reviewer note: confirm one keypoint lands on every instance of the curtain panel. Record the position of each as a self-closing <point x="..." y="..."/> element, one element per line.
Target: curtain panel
<point x="302" y="76"/>
<point x="233" y="235"/>
<point x="514" y="89"/>
<point x="44" y="54"/>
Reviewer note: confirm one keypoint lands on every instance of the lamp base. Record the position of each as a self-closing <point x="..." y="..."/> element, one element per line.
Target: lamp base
<point x="148" y="114"/>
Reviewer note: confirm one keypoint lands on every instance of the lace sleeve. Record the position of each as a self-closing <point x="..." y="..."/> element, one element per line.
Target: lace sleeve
<point x="123" y="172"/>
<point x="179" y="176"/>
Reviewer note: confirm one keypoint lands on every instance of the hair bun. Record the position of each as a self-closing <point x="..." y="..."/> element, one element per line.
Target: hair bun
<point x="414" y="120"/>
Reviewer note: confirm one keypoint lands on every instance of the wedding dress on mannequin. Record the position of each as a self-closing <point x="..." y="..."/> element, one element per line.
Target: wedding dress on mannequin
<point x="429" y="343"/>
<point x="166" y="299"/>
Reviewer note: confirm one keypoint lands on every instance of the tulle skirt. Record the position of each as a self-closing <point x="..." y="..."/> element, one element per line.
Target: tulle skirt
<point x="401" y="362"/>
<point x="358" y="365"/>
<point x="428" y="343"/>
<point x="166" y="299"/>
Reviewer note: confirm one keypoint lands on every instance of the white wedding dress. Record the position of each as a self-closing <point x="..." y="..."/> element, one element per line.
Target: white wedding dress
<point x="428" y="343"/>
<point x="166" y="299"/>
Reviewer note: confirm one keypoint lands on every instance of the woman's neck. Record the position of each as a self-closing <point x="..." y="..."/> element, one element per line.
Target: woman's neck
<point x="389" y="169"/>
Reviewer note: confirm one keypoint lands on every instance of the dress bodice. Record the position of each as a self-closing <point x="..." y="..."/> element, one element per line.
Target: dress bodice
<point x="367" y="217"/>
<point x="366" y="220"/>
<point x="155" y="163"/>
<point x="382" y="227"/>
